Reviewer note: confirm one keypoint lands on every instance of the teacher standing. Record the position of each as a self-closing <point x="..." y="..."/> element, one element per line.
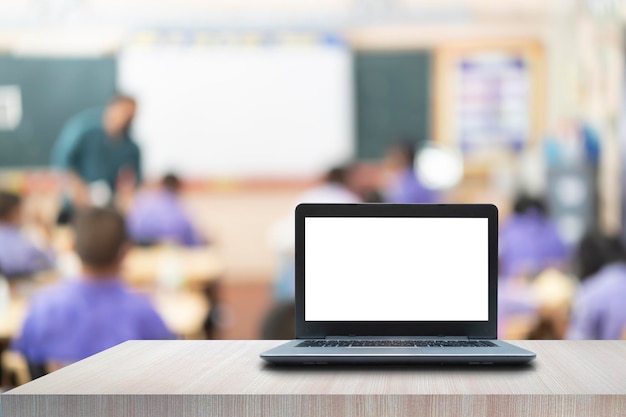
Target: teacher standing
<point x="99" y="155"/>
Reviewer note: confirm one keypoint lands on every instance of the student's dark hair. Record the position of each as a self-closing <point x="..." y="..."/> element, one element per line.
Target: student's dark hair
<point x="100" y="236"/>
<point x="407" y="148"/>
<point x="171" y="182"/>
<point x="337" y="175"/>
<point x="596" y="250"/>
<point x="525" y="202"/>
<point x="8" y="202"/>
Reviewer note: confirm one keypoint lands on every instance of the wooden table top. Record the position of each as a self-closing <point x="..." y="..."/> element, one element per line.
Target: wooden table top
<point x="234" y="367"/>
<point x="227" y="378"/>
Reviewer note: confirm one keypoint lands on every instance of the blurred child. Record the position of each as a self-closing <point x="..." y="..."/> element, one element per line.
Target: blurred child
<point x="404" y="186"/>
<point x="19" y="255"/>
<point x="530" y="241"/>
<point x="159" y="216"/>
<point x="80" y="317"/>
<point x="595" y="251"/>
<point x="336" y="188"/>
<point x="599" y="311"/>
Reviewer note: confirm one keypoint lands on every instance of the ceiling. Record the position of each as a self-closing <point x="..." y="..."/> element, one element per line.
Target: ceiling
<point x="32" y="13"/>
<point x="97" y="26"/>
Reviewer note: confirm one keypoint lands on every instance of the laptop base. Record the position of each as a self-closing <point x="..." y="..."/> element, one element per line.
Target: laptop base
<point x="503" y="354"/>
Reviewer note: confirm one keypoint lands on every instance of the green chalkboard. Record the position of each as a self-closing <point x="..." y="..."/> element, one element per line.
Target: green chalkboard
<point x="393" y="101"/>
<point x="52" y="90"/>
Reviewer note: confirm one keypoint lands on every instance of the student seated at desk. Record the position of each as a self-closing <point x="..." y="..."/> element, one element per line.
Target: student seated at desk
<point x="19" y="254"/>
<point x="403" y="185"/>
<point x="530" y="241"/>
<point x="159" y="216"/>
<point x="80" y="317"/>
<point x="336" y="187"/>
<point x="599" y="310"/>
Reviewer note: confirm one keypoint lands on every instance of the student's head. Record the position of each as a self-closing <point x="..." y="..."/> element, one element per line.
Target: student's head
<point x="400" y="155"/>
<point x="338" y="175"/>
<point x="595" y="251"/>
<point x="10" y="207"/>
<point x="525" y="203"/>
<point x="171" y="183"/>
<point x="118" y="115"/>
<point x="101" y="238"/>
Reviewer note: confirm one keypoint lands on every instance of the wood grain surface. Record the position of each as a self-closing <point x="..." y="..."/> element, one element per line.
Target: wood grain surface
<point x="223" y="378"/>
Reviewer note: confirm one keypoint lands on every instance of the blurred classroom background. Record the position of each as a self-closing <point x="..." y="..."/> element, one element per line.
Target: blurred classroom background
<point x="255" y="106"/>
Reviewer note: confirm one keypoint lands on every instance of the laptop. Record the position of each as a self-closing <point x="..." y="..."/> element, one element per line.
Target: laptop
<point x="396" y="284"/>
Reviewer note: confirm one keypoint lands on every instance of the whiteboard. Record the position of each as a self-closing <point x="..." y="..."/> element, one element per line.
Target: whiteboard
<point x="237" y="111"/>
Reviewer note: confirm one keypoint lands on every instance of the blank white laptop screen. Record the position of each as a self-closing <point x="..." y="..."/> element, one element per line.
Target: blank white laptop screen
<point x="396" y="269"/>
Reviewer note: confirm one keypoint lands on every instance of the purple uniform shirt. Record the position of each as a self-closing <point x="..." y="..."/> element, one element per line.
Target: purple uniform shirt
<point x="406" y="188"/>
<point x="19" y="255"/>
<point x="529" y="243"/>
<point x="515" y="298"/>
<point x="159" y="216"/>
<point x="76" y="319"/>
<point x="599" y="311"/>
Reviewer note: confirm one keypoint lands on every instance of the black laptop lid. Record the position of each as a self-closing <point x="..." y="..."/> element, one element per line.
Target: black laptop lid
<point x="396" y="270"/>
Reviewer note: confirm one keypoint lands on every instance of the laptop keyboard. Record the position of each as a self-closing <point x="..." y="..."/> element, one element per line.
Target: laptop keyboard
<point x="396" y="343"/>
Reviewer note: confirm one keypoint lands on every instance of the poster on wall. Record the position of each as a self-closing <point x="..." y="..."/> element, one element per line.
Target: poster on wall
<point x="493" y="101"/>
<point x="10" y="107"/>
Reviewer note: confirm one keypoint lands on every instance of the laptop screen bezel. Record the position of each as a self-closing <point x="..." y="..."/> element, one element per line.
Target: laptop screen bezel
<point x="472" y="329"/>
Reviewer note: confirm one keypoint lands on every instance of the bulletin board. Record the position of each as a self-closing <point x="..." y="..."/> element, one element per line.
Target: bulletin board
<point x="489" y="95"/>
